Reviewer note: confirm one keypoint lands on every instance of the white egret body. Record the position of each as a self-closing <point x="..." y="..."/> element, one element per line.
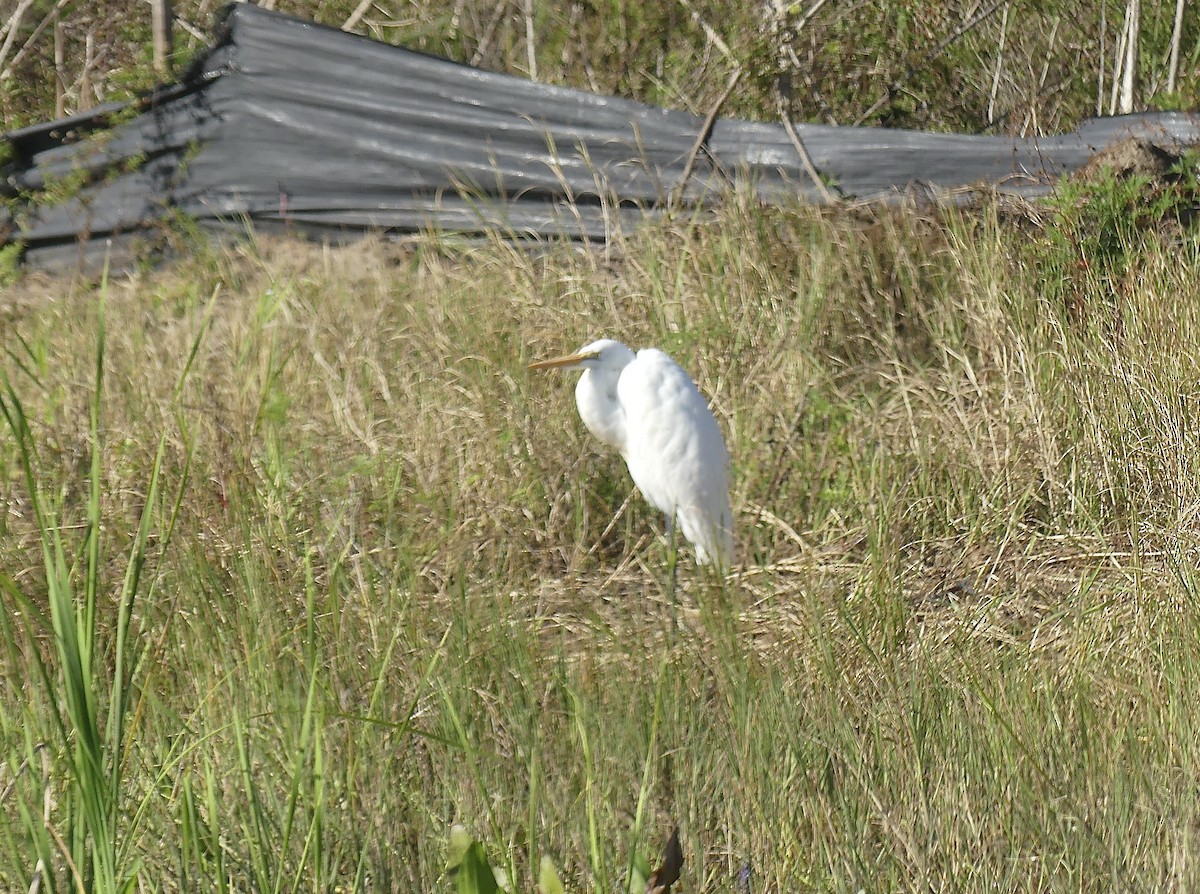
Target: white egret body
<point x="647" y="407"/>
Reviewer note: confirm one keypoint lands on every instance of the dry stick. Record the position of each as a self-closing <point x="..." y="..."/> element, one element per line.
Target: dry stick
<point x="805" y="158"/>
<point x="781" y="11"/>
<point x="37" y="749"/>
<point x="530" y="52"/>
<point x="359" y="12"/>
<point x="706" y="129"/>
<point x="1176" y="37"/>
<point x="35" y="886"/>
<point x="1100" y="67"/>
<point x="489" y="32"/>
<point x="84" y="98"/>
<point x="10" y="28"/>
<point x="184" y="25"/>
<point x="812" y="11"/>
<point x="1129" y="81"/>
<point x="782" y="103"/>
<point x="1049" y="52"/>
<point x="29" y="41"/>
<point x="962" y="29"/>
<point x="160" y="26"/>
<point x="1118" y="59"/>
<point x="991" y="109"/>
<point x="66" y="852"/>
<point x="60" y="75"/>
<point x="705" y="133"/>
<point x="786" y="48"/>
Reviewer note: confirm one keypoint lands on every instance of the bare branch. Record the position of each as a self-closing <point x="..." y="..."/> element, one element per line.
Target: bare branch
<point x="35" y="886"/>
<point x="10" y="28"/>
<point x="805" y="158"/>
<point x="359" y="12"/>
<point x="530" y="51"/>
<point x="60" y="71"/>
<point x="1118" y="61"/>
<point x="85" y="100"/>
<point x="489" y="32"/>
<point x="160" y="26"/>
<point x="705" y="131"/>
<point x="29" y="42"/>
<point x="991" y="109"/>
<point x="1176" y="37"/>
<point x="1100" y="67"/>
<point x="812" y="11"/>
<point x="1129" y="75"/>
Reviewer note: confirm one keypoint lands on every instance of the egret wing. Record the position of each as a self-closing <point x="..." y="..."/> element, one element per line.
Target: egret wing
<point x="675" y="451"/>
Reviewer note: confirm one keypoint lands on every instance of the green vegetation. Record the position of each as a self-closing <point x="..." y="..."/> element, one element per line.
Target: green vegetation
<point x="1024" y="66"/>
<point x="303" y="577"/>
<point x="1130" y="192"/>
<point x="300" y="568"/>
<point x="10" y="264"/>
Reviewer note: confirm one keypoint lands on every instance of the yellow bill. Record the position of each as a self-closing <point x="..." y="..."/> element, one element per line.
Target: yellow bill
<point x="565" y="362"/>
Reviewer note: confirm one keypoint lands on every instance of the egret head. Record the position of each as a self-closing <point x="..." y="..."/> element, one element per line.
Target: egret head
<point x="598" y="355"/>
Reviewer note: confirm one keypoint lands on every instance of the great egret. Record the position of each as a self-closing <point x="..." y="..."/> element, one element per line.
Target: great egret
<point x="646" y="406"/>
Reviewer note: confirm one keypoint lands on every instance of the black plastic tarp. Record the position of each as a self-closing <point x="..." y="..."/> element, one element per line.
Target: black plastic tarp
<point x="283" y="123"/>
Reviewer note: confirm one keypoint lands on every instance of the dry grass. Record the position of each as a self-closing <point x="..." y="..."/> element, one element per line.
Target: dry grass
<point x="957" y="650"/>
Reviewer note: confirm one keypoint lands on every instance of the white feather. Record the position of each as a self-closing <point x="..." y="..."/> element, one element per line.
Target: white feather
<point x="647" y="407"/>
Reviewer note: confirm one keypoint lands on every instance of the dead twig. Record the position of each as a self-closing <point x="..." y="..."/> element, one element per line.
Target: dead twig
<point x="1176" y="38"/>
<point x="1118" y="60"/>
<point x="530" y="49"/>
<point x="715" y="40"/>
<point x="705" y="133"/>
<point x="84" y="99"/>
<point x="807" y="17"/>
<point x="36" y="884"/>
<point x="489" y="32"/>
<point x="29" y="41"/>
<point x="60" y="72"/>
<point x="1100" y="66"/>
<point x="359" y="12"/>
<point x="162" y="35"/>
<point x="1129" y="75"/>
<point x="10" y="28"/>
<point x="805" y="158"/>
<point x="782" y="100"/>
<point x="38" y="748"/>
<point x="184" y="25"/>
<point x="991" y="109"/>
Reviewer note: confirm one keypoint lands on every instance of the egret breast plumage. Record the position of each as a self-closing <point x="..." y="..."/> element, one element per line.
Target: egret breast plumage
<point x="646" y="406"/>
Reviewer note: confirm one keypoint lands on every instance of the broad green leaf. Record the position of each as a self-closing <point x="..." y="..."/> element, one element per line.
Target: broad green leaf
<point x="469" y="865"/>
